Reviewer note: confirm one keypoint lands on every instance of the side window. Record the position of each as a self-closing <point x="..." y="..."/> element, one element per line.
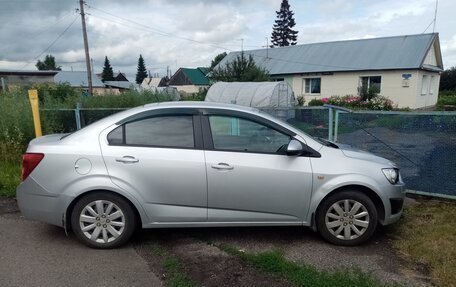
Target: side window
<point x="163" y="131"/>
<point x="237" y="134"/>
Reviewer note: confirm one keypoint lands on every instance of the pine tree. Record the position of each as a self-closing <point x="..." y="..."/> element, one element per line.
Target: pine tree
<point x="282" y="33"/>
<point x="141" y="72"/>
<point x="108" y="74"/>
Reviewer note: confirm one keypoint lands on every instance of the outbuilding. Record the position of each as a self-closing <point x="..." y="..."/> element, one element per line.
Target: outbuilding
<point x="253" y="94"/>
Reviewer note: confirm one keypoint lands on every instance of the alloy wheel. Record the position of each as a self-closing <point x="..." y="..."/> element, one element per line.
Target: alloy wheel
<point x="347" y="219"/>
<point x="102" y="221"/>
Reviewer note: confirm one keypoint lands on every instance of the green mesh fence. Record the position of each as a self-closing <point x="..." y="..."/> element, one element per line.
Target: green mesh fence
<point x="422" y="144"/>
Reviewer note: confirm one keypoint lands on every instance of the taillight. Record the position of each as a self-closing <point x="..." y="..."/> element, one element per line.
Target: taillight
<point x="29" y="162"/>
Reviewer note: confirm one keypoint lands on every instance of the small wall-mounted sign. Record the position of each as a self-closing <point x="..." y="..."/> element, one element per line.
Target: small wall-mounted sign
<point x="406" y="76"/>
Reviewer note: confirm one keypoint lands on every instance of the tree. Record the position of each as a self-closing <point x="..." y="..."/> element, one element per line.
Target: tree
<point x="240" y="70"/>
<point x="47" y="64"/>
<point x="141" y="72"/>
<point x="448" y="80"/>
<point x="107" y="74"/>
<point x="282" y="33"/>
<point x="217" y="60"/>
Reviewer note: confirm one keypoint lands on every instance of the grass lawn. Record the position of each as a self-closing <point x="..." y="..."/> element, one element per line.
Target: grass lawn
<point x="273" y="262"/>
<point x="427" y="235"/>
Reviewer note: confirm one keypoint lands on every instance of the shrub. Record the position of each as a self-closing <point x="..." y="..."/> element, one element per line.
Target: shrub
<point x="316" y="102"/>
<point x="447" y="100"/>
<point x="355" y="102"/>
<point x="301" y="101"/>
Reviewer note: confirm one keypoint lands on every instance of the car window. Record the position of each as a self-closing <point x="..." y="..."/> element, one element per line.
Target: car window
<point x="238" y="134"/>
<point x="163" y="131"/>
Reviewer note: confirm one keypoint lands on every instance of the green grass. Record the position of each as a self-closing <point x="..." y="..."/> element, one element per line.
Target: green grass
<point x="427" y="235"/>
<point x="10" y="177"/>
<point x="274" y="263"/>
<point x="175" y="276"/>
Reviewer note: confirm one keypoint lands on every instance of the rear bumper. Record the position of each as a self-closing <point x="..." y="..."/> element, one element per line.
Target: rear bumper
<point x="35" y="203"/>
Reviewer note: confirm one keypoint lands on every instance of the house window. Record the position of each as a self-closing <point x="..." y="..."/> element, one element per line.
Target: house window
<point x="432" y="85"/>
<point x="372" y="83"/>
<point x="312" y="85"/>
<point x="425" y="85"/>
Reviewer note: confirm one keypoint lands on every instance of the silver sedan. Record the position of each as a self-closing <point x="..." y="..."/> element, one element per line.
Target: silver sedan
<point x="197" y="164"/>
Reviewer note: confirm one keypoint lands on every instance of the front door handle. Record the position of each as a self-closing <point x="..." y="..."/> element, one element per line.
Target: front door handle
<point x="222" y="166"/>
<point x="127" y="159"/>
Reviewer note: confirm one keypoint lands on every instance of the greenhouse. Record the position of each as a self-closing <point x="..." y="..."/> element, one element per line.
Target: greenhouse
<point x="253" y="94"/>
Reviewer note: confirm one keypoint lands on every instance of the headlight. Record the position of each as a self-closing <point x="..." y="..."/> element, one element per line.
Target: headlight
<point x="391" y="174"/>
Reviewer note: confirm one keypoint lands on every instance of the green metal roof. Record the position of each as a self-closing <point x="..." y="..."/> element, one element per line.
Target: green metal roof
<point x="196" y="76"/>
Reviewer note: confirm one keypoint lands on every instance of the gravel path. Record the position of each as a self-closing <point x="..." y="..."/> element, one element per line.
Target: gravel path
<point x="37" y="254"/>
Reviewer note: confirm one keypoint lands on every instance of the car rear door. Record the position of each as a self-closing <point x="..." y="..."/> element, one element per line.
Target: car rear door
<point x="159" y="159"/>
<point x="250" y="177"/>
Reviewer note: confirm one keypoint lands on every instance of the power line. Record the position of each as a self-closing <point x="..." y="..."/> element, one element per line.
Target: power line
<point x="161" y="32"/>
<point x="56" y="39"/>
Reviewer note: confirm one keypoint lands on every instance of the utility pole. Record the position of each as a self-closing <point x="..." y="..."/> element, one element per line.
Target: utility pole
<point x="86" y="47"/>
<point x="435" y="14"/>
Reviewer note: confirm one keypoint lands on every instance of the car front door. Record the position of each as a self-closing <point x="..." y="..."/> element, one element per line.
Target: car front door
<point x="250" y="177"/>
<point x="160" y="160"/>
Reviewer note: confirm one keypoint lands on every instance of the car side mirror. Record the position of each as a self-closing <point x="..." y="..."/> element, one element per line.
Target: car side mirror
<point x="294" y="147"/>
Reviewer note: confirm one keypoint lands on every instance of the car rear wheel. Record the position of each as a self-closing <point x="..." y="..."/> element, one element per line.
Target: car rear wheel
<point x="103" y="220"/>
<point x="347" y="218"/>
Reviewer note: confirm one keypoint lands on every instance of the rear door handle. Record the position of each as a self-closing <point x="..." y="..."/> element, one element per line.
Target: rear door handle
<point x="222" y="166"/>
<point x="127" y="159"/>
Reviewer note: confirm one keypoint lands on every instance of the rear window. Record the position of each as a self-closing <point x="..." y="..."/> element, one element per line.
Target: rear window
<point x="163" y="131"/>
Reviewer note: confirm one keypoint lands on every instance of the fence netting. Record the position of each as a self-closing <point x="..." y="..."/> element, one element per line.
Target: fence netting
<point x="423" y="145"/>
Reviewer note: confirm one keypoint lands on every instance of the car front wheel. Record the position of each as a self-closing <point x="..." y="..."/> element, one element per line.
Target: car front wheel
<point x="347" y="218"/>
<point x="103" y="220"/>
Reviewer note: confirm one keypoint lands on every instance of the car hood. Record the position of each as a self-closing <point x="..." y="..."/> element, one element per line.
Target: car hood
<point x="352" y="152"/>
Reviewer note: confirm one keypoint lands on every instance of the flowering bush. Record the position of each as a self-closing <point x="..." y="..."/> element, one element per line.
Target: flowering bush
<point x="355" y="102"/>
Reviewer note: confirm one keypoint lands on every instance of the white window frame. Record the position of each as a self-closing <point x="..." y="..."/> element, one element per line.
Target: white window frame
<point x="368" y="82"/>
<point x="304" y="80"/>
<point x="425" y="85"/>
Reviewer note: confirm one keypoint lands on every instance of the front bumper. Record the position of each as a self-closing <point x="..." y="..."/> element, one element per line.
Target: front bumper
<point x="393" y="203"/>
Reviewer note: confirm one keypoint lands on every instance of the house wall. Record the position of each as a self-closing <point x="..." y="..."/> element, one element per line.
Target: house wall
<point x="22" y="80"/>
<point x="404" y="93"/>
<point x="431" y="58"/>
<point x="427" y="89"/>
<point x="188" y="89"/>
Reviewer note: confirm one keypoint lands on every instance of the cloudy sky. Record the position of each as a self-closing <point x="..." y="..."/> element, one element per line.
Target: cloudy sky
<point x="189" y="33"/>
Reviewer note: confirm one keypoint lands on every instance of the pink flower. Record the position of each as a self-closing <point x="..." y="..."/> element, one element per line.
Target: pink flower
<point x="325" y="100"/>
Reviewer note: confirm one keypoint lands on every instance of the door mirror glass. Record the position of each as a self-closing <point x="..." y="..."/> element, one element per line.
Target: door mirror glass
<point x="294" y="147"/>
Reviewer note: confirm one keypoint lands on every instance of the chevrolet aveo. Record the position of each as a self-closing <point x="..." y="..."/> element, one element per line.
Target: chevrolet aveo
<point x="197" y="164"/>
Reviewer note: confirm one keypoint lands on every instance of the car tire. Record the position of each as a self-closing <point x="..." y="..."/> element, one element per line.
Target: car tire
<point x="347" y="218"/>
<point x="103" y="220"/>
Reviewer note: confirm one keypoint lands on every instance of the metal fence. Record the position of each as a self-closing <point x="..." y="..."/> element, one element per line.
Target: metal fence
<point x="423" y="144"/>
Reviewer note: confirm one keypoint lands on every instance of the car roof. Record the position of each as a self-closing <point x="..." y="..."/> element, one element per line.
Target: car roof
<point x="199" y="104"/>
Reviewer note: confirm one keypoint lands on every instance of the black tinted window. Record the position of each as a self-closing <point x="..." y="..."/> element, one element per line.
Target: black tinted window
<point x="116" y="136"/>
<point x="236" y="134"/>
<point x="166" y="131"/>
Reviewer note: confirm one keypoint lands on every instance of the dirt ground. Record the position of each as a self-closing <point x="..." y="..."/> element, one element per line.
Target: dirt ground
<point x="206" y="264"/>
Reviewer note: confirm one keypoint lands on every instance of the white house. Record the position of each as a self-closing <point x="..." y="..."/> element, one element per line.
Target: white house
<point x="405" y="69"/>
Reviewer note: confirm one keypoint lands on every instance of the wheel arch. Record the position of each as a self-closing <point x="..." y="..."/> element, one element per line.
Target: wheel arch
<point x="69" y="210"/>
<point x="379" y="206"/>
